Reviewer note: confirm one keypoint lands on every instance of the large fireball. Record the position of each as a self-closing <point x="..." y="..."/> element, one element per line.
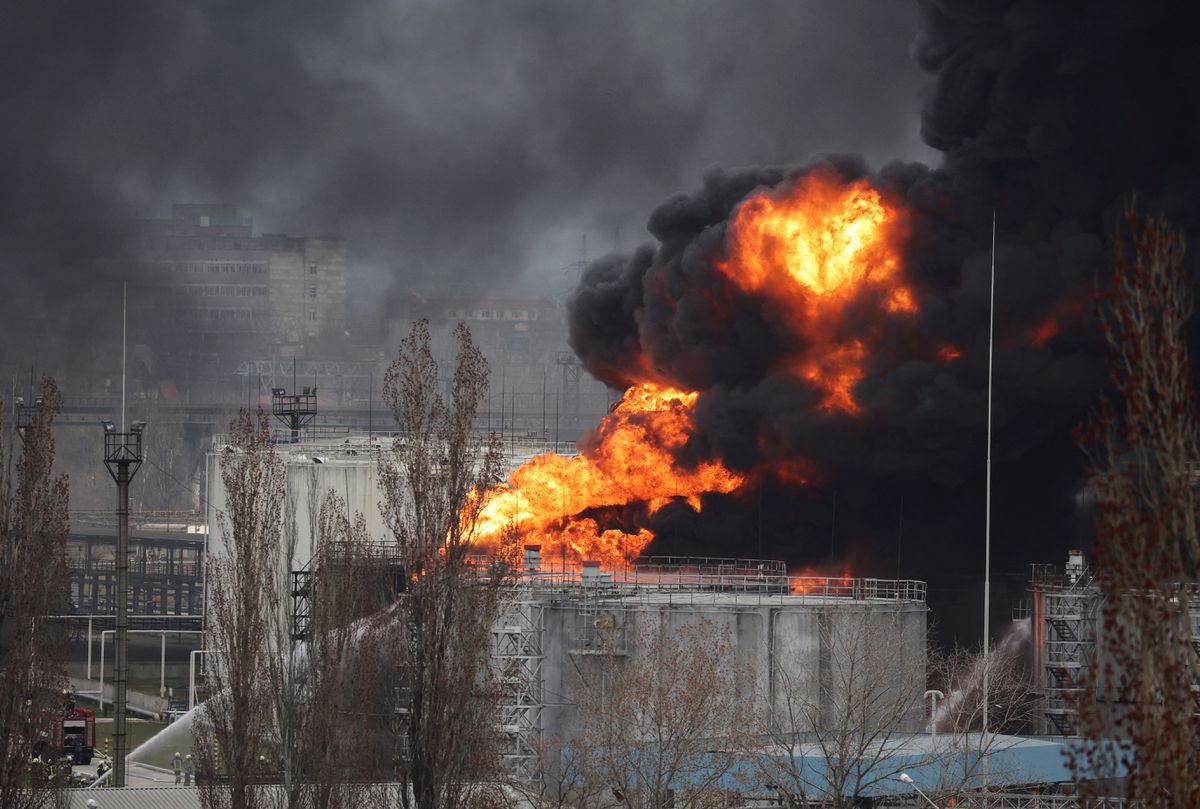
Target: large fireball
<point x="814" y="247"/>
<point x="811" y="248"/>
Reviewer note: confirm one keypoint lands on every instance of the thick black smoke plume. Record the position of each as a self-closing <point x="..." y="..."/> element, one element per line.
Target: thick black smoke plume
<point x="1051" y="115"/>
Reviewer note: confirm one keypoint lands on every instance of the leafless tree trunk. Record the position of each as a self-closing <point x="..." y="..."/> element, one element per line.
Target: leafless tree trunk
<point x="243" y="597"/>
<point x="346" y="661"/>
<point x="1142" y="448"/>
<point x="33" y="584"/>
<point x="436" y="482"/>
<point x="287" y="664"/>
<point x="663" y="727"/>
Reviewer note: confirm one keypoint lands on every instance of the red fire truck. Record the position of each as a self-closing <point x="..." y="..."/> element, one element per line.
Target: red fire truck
<point x="78" y="734"/>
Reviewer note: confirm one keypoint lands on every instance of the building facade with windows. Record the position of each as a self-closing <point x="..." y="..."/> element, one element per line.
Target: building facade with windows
<point x="215" y="277"/>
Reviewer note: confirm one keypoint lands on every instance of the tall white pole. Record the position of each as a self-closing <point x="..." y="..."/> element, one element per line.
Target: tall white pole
<point x="124" y="307"/>
<point x="987" y="553"/>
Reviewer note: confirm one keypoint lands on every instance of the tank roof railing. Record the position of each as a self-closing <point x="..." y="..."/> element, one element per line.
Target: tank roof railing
<point x="685" y="586"/>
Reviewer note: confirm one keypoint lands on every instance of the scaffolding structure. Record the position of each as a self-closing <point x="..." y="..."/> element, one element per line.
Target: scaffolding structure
<point x="1065" y="606"/>
<point x="517" y="660"/>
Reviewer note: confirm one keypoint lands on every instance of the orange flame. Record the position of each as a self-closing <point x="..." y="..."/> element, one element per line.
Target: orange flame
<point x="630" y="459"/>
<point x="815" y="247"/>
<point x="1066" y="311"/>
<point x="948" y="352"/>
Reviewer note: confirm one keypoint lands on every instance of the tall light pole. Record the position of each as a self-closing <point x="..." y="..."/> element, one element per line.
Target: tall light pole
<point x="123" y="458"/>
<point x="987" y="551"/>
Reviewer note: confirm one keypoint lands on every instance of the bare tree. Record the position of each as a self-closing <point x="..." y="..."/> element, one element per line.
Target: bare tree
<point x="1142" y="445"/>
<point x="345" y="663"/>
<point x="435" y="484"/>
<point x="33" y="585"/>
<point x="663" y="727"/>
<point x="243" y="595"/>
<point x="969" y="755"/>
<point x="838" y="723"/>
<point x="563" y="783"/>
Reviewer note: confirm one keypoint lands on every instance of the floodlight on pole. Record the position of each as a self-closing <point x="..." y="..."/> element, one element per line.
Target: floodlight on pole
<point x="906" y="778"/>
<point x="27" y="414"/>
<point x="123" y="458"/>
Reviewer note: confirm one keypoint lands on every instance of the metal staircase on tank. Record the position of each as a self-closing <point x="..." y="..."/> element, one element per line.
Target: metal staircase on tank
<point x="1070" y="645"/>
<point x="517" y="660"/>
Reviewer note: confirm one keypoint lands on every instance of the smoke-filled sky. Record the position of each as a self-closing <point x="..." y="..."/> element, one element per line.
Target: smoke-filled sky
<point x="455" y="144"/>
<point x="468" y="147"/>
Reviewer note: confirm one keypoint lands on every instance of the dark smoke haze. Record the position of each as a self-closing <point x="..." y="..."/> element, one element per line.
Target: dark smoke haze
<point x="458" y="147"/>
<point x="467" y="147"/>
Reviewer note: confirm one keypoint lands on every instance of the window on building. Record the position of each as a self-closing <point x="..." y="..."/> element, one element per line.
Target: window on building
<point x="312" y="315"/>
<point x="312" y="293"/>
<point x="312" y="269"/>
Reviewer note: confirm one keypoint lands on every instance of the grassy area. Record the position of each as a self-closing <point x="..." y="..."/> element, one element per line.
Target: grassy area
<point x="136" y="731"/>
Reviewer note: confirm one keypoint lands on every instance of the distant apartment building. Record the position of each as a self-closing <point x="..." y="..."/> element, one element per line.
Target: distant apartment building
<point x="208" y="268"/>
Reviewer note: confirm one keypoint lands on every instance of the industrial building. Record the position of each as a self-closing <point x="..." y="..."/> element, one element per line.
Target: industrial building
<point x="225" y="280"/>
<point x="558" y="618"/>
<point x="1068" y="639"/>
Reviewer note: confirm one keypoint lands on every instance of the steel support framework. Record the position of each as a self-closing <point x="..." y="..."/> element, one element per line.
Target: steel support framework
<point x="517" y="660"/>
<point x="1070" y="630"/>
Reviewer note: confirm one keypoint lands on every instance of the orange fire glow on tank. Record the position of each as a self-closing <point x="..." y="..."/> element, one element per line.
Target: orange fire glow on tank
<point x="815" y="247"/>
<point x="810" y="581"/>
<point x="630" y="459"/>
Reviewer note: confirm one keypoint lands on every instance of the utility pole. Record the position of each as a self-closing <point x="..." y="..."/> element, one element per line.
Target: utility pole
<point x="123" y="458"/>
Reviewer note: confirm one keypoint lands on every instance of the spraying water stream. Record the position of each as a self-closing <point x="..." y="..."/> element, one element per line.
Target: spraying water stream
<point x="961" y="705"/>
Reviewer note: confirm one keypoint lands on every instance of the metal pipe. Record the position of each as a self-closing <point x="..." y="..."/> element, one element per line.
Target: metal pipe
<point x="89" y="644"/>
<point x="192" y="677"/>
<point x="101" y="691"/>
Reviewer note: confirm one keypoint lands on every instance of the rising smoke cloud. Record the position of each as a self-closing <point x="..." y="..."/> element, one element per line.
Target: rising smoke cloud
<point x="1051" y="115"/>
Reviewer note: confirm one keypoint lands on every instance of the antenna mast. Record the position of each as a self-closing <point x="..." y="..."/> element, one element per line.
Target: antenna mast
<point x="987" y="554"/>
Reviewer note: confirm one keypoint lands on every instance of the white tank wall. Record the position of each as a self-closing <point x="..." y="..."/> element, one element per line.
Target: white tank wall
<point x="796" y="635"/>
<point x="355" y="480"/>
